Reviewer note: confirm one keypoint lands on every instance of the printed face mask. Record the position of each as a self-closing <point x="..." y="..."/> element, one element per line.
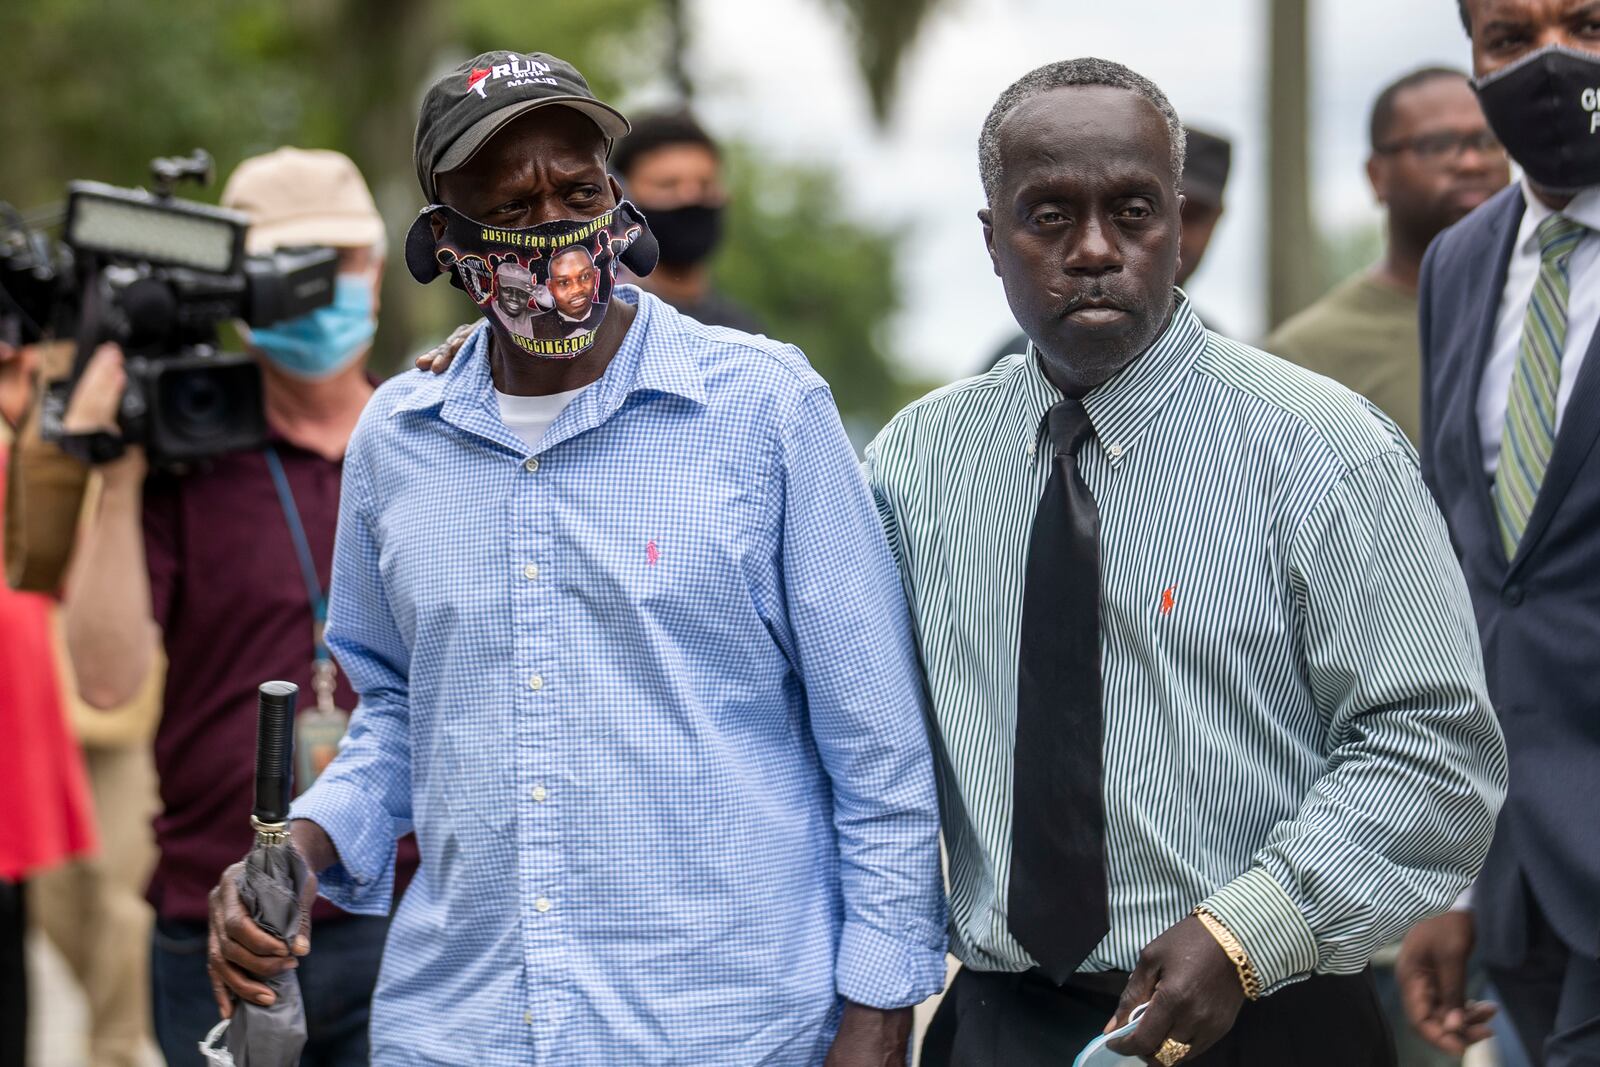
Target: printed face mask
<point x="1545" y="108"/>
<point x="544" y="288"/>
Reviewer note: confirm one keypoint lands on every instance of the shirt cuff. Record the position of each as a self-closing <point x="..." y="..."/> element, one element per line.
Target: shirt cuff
<point x="1464" y="901"/>
<point x="879" y="971"/>
<point x="1269" y="927"/>
<point x="362" y="882"/>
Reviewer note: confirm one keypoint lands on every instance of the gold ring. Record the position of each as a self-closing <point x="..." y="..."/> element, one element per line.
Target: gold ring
<point x="1171" y="1052"/>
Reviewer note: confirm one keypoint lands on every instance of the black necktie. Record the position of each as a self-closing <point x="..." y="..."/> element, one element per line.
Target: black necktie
<point x="1057" y="903"/>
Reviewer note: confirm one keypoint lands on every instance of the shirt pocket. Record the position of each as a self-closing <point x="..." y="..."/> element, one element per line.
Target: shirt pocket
<point x="667" y="569"/>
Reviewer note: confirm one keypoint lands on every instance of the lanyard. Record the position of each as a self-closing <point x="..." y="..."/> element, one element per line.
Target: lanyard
<point x="322" y="668"/>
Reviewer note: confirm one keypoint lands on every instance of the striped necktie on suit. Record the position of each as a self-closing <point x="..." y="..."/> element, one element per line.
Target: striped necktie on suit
<point x="1530" y="428"/>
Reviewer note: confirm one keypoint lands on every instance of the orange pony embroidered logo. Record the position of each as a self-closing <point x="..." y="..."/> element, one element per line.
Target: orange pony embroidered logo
<point x="1167" y="601"/>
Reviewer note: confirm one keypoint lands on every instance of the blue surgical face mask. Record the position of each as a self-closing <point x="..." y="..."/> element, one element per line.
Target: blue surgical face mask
<point x="328" y="340"/>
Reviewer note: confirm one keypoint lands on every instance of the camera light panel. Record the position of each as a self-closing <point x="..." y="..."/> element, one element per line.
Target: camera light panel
<point x="173" y="232"/>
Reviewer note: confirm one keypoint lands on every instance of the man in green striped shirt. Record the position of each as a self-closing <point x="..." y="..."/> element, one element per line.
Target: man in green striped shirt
<point x="1294" y="756"/>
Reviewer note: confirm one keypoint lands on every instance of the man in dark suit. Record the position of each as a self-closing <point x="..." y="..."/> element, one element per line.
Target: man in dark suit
<point x="1510" y="298"/>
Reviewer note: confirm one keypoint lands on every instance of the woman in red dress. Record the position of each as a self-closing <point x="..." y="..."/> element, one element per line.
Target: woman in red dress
<point x="45" y="814"/>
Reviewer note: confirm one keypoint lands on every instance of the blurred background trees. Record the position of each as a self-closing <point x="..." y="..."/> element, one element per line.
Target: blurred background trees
<point x="95" y="88"/>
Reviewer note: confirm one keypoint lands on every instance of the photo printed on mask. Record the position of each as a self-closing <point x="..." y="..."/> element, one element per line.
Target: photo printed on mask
<point x="545" y="288"/>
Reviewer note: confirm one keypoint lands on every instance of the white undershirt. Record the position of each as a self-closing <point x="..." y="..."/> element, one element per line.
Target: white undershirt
<point x="530" y="416"/>
<point x="1583" y="312"/>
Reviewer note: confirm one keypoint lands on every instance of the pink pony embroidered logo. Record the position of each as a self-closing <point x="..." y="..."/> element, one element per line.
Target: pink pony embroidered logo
<point x="652" y="554"/>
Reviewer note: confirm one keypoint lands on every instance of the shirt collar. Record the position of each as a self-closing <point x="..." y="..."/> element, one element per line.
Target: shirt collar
<point x="657" y="354"/>
<point x="1121" y="408"/>
<point x="653" y="357"/>
<point x="1584" y="208"/>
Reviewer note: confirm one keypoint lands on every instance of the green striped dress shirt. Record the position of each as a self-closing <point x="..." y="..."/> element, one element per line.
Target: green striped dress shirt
<point x="1296" y="728"/>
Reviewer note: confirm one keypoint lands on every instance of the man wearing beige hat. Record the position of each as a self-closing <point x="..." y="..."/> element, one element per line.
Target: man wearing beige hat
<point x="224" y="567"/>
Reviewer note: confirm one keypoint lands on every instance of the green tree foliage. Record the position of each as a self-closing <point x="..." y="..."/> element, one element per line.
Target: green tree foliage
<point x="883" y="33"/>
<point x="95" y="88"/>
<point x="819" y="279"/>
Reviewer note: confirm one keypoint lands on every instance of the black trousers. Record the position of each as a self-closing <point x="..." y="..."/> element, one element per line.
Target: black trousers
<point x="1553" y="998"/>
<point x="13" y="977"/>
<point x="1017" y="1020"/>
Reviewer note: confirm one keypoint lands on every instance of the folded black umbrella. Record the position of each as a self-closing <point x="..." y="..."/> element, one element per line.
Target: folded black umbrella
<point x="272" y="1035"/>
<point x="270" y="884"/>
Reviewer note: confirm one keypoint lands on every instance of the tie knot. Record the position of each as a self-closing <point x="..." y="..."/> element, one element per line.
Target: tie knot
<point x="1558" y="236"/>
<point x="1069" y="426"/>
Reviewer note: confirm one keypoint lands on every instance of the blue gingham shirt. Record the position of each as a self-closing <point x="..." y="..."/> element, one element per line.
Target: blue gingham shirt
<point x="649" y="698"/>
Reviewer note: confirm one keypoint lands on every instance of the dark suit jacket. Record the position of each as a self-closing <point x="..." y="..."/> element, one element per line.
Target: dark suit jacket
<point x="1539" y="613"/>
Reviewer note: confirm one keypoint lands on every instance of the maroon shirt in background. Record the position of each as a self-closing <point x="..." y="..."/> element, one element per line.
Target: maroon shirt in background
<point x="228" y="593"/>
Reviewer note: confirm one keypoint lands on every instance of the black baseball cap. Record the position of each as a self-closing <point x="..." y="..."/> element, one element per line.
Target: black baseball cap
<point x="467" y="106"/>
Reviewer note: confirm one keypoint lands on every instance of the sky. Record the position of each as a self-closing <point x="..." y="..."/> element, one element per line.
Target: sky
<point x="781" y="74"/>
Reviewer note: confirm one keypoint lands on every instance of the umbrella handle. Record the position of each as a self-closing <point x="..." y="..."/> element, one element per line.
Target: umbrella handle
<point x="274" y="755"/>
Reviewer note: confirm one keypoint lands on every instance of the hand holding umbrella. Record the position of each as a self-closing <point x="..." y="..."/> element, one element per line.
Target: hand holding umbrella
<point x="261" y="911"/>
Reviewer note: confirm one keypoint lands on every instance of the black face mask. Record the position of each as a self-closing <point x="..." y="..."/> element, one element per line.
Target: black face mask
<point x="544" y="288"/>
<point x="687" y="234"/>
<point x="1545" y="108"/>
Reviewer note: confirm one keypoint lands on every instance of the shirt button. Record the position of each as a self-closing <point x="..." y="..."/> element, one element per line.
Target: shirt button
<point x="539" y="794"/>
<point x="531" y="465"/>
<point x="536" y="683"/>
<point x="1114" y="451"/>
<point x="541" y="905"/>
<point x="527" y="1018"/>
<point x="531" y="571"/>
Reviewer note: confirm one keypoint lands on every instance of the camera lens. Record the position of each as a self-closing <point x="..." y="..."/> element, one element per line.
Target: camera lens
<point x="204" y="406"/>
<point x="199" y="405"/>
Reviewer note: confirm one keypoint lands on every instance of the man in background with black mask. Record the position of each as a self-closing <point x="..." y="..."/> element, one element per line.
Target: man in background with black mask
<point x="672" y="169"/>
<point x="1510" y="298"/>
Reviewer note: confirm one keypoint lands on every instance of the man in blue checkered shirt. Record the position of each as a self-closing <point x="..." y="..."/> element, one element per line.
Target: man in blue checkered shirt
<point x="634" y="664"/>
